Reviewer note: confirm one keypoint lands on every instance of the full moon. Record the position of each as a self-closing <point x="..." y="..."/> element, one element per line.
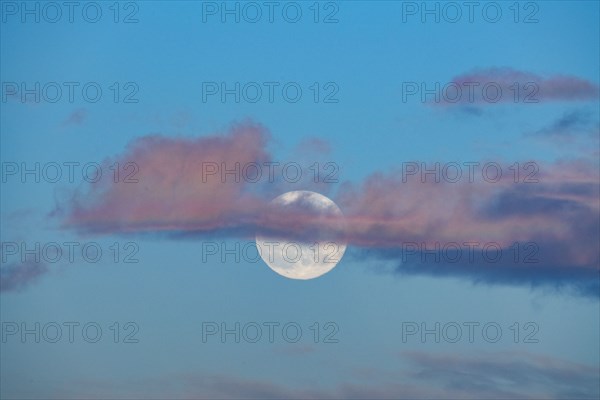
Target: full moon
<point x="317" y="222"/>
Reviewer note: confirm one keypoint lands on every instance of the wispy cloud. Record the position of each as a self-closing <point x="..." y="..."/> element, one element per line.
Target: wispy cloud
<point x="17" y="276"/>
<point x="517" y="87"/>
<point x="76" y="118"/>
<point x="569" y="125"/>
<point x="424" y="375"/>
<point x="505" y="375"/>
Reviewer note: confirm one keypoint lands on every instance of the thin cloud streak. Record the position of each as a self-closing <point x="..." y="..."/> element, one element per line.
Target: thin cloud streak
<point x="533" y="88"/>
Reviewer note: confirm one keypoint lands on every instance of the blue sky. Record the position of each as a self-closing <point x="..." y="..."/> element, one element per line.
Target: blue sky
<point x="368" y="55"/>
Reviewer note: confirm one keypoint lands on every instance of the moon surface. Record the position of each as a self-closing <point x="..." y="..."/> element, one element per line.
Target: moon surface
<point x="314" y="255"/>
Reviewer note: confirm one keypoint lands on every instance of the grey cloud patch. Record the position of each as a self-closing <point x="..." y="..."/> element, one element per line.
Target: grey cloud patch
<point x="76" y="118"/>
<point x="571" y="123"/>
<point x="528" y="200"/>
<point x="507" y="375"/>
<point x="17" y="276"/>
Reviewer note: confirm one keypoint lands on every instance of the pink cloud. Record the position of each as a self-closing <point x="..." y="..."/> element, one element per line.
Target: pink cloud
<point x="560" y="212"/>
<point x="384" y="211"/>
<point x="174" y="189"/>
<point x="532" y="88"/>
